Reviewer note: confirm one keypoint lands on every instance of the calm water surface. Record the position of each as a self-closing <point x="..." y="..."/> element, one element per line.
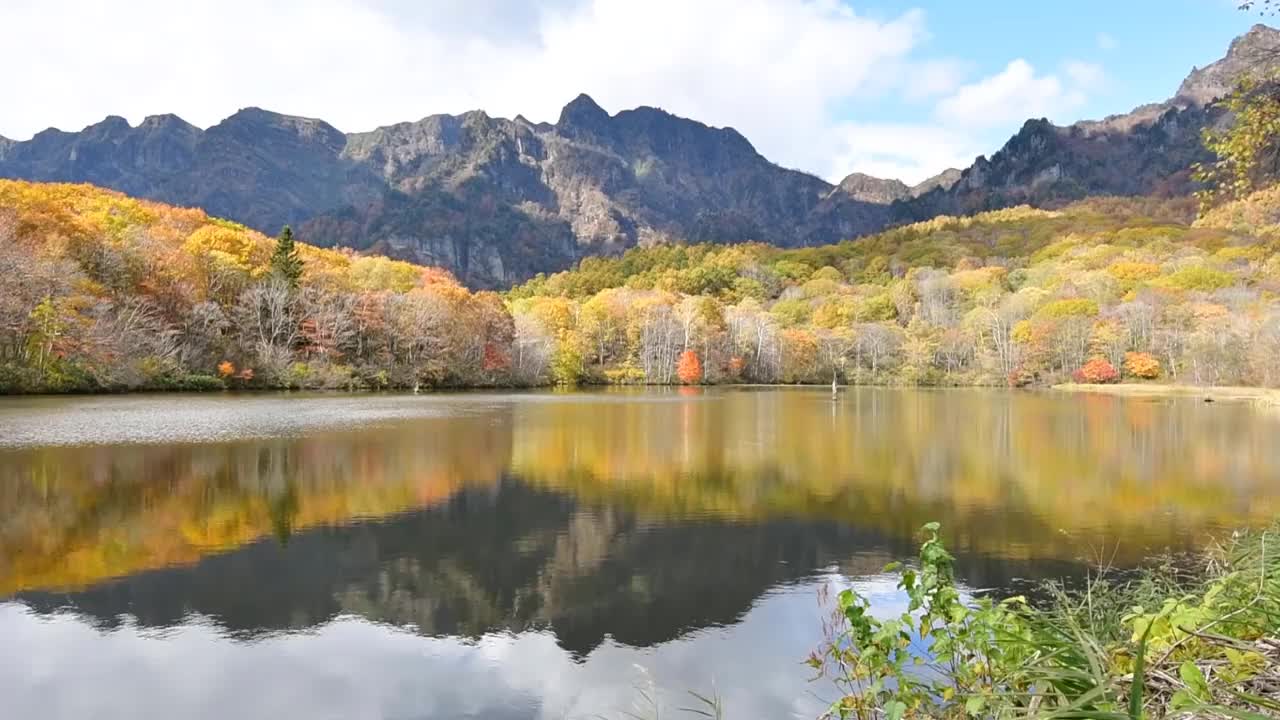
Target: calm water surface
<point x="549" y="555"/>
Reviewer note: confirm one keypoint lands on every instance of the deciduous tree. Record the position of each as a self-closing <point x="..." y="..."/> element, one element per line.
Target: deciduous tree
<point x="689" y="368"/>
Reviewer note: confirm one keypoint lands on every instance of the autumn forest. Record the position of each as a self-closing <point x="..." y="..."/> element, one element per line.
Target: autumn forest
<point x="111" y="293"/>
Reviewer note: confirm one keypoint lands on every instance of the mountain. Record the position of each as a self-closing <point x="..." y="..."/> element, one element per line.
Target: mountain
<point x="494" y="200"/>
<point x="944" y="180"/>
<point x="256" y="167"/>
<point x="879" y="191"/>
<point x="860" y="186"/>
<point x="498" y="200"/>
<point x="1148" y="151"/>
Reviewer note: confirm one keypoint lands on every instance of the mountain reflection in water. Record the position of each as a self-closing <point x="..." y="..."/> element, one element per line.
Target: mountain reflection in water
<point x="516" y="546"/>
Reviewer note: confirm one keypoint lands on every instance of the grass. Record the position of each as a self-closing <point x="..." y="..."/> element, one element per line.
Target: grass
<point x="1175" y="640"/>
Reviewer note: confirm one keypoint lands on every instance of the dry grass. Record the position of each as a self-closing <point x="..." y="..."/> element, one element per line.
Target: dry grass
<point x="1262" y="396"/>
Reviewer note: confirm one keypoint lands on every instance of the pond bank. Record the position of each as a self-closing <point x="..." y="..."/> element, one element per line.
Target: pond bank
<point x="1258" y="395"/>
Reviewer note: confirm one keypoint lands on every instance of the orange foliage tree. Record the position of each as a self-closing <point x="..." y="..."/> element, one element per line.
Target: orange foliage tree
<point x="689" y="368"/>
<point x="1142" y="365"/>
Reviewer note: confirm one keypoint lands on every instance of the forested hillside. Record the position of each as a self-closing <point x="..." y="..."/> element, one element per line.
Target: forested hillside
<point x="1098" y="290"/>
<point x="105" y="292"/>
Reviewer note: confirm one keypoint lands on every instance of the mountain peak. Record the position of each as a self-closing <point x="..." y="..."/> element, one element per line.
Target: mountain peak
<point x="111" y="125"/>
<point x="248" y="122"/>
<point x="1254" y="52"/>
<point x="869" y="188"/>
<point x="165" y="120"/>
<point x="943" y="180"/>
<point x="112" y="121"/>
<point x="582" y="112"/>
<point x="253" y="113"/>
<point x="1257" y="35"/>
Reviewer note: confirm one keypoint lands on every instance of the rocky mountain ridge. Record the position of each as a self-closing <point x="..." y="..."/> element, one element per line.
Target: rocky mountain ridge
<point x="493" y="199"/>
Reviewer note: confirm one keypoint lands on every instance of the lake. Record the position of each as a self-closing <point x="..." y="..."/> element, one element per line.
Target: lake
<point x="551" y="555"/>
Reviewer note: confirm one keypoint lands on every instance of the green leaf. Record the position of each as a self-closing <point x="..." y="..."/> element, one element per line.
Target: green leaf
<point x="1139" y="677"/>
<point x="895" y="709"/>
<point x="974" y="704"/>
<point x="1197" y="685"/>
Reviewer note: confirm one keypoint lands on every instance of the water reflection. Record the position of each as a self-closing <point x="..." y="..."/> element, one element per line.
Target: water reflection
<point x="59" y="667"/>
<point x="550" y="540"/>
<point x="507" y="558"/>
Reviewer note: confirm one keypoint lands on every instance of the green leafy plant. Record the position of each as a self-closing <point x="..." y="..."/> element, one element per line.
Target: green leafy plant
<point x="1205" y="649"/>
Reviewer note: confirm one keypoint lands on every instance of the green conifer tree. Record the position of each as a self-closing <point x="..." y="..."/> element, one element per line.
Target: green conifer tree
<point x="285" y="261"/>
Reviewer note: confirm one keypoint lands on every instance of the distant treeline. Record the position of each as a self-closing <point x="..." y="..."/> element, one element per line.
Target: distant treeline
<point x="104" y="292"/>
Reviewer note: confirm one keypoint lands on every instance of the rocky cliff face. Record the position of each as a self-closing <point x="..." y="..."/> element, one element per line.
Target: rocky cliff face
<point x="1148" y="151"/>
<point x="1255" y="52"/>
<point x="943" y="180"/>
<point x="260" y="168"/>
<point x="498" y="200"/>
<point x="860" y="186"/>
<point x="1046" y="165"/>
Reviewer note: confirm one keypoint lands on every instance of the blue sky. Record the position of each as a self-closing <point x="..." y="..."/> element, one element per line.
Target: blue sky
<point x="1145" y="48"/>
<point x="1134" y="51"/>
<point x="827" y="86"/>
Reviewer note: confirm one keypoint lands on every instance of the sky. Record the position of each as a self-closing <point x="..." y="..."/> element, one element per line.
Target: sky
<point x="830" y="87"/>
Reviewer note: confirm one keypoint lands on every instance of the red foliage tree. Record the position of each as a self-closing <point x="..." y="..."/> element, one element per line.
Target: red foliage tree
<point x="1097" y="371"/>
<point x="495" y="358"/>
<point x="689" y="368"/>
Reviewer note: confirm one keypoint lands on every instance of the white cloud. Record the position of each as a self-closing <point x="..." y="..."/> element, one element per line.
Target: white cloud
<point x="931" y="78"/>
<point x="364" y="63"/>
<point x="1085" y="76"/>
<point x="783" y="72"/>
<point x="1015" y="94"/>
<point x="350" y="667"/>
<point x="970" y="120"/>
<point x="909" y="153"/>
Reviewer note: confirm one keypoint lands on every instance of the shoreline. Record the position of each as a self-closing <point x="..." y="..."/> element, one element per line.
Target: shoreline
<point x="1209" y="393"/>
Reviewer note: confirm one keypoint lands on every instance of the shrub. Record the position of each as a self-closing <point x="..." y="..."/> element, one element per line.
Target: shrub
<point x="299" y="375"/>
<point x="1198" y="277"/>
<point x="197" y="383"/>
<point x="1142" y="365"/>
<point x="1097" y="371"/>
<point x="1150" y="646"/>
<point x="627" y="374"/>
